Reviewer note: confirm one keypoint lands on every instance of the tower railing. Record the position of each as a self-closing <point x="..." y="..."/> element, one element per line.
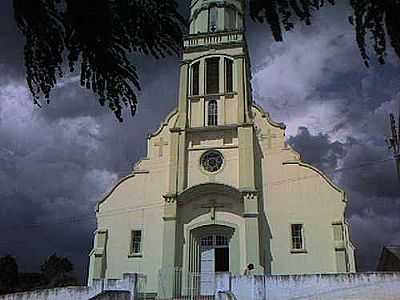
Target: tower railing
<point x="217" y="38"/>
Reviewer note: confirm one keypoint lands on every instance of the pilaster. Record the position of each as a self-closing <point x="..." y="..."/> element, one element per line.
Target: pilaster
<point x="167" y="272"/>
<point x="250" y="214"/>
<point x="246" y="157"/>
<point x="240" y="85"/>
<point x="183" y="96"/>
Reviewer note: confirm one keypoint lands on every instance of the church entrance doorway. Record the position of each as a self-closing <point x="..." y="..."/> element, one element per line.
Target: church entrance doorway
<point x="214" y="258"/>
<point x="214" y="254"/>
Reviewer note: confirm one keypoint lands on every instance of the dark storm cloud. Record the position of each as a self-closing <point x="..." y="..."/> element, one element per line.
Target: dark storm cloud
<point x="57" y="161"/>
<point x="315" y="81"/>
<point x="317" y="147"/>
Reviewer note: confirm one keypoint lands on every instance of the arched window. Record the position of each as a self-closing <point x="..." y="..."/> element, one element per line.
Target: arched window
<point x="212" y="113"/>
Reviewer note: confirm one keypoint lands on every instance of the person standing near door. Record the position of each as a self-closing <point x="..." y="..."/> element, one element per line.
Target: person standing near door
<point x="249" y="270"/>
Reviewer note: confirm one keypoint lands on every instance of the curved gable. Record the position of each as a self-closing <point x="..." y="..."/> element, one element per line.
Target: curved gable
<point x="320" y="174"/>
<point x="164" y="124"/>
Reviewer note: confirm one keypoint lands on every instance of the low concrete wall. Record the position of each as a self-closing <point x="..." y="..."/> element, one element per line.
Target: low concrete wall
<point x="129" y="283"/>
<point x="365" y="286"/>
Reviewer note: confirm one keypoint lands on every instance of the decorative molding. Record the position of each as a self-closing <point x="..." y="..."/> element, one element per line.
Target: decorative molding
<point x="197" y="97"/>
<point x="176" y="129"/>
<point x="169" y="218"/>
<point x="170" y="198"/>
<point x="266" y="116"/>
<point x="250" y="215"/>
<point x="229" y="45"/>
<point x="212" y="128"/>
<point x="138" y="172"/>
<point x="202" y="148"/>
<point x="249" y="195"/>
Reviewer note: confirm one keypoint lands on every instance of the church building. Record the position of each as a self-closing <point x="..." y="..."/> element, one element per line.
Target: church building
<point x="220" y="188"/>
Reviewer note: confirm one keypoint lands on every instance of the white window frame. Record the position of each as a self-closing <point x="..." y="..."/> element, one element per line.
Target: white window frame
<point x="131" y="252"/>
<point x="215" y="115"/>
<point x="294" y="249"/>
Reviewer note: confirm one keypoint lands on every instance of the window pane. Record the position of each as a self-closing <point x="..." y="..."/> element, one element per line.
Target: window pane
<point x="213" y="19"/>
<point x="136" y="241"/>
<point x="212" y="65"/>
<point x="195" y="78"/>
<point x="297" y="236"/>
<point x="221" y="240"/>
<point x="228" y="75"/>
<point x="212" y="113"/>
<point x="207" y="241"/>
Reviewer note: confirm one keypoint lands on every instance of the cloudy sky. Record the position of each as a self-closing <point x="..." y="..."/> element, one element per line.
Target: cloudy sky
<point x="58" y="160"/>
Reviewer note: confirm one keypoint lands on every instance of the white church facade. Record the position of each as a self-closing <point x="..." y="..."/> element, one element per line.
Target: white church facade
<point x="220" y="188"/>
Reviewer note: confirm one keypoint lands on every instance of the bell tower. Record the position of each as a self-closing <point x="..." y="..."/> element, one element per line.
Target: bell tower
<point x="215" y="77"/>
<point x="214" y="114"/>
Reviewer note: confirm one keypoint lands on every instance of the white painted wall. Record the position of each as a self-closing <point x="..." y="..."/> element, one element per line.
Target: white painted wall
<point x="355" y="286"/>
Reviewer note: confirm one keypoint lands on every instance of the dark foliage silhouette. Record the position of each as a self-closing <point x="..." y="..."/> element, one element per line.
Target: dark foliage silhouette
<point x="8" y="274"/>
<point x="374" y="19"/>
<point x="98" y="37"/>
<point x="56" y="271"/>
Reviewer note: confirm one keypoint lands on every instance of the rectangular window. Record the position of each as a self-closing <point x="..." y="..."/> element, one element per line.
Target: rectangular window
<point x="195" y="78"/>
<point x="338" y="232"/>
<point x="230" y="18"/>
<point x="213" y="19"/>
<point x="136" y="242"/>
<point x="297" y="237"/>
<point x="228" y="75"/>
<point x="212" y="69"/>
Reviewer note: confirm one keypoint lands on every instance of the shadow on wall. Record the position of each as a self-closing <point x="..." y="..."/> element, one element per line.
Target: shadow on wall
<point x="265" y="235"/>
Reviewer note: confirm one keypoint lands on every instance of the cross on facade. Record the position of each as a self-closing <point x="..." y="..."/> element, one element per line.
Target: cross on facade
<point x="212" y="205"/>
<point x="269" y="136"/>
<point x="160" y="144"/>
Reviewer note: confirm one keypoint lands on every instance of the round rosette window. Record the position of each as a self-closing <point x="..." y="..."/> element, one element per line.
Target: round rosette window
<point x="212" y="161"/>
